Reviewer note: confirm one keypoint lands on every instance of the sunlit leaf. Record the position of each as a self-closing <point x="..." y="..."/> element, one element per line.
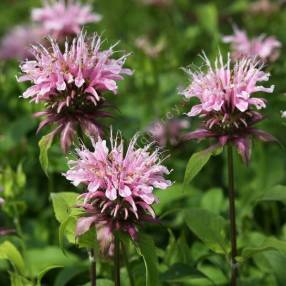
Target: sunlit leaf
<point x="63" y="204"/>
<point x="9" y="252"/>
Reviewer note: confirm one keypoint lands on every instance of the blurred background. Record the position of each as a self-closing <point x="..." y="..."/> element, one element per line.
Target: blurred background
<point x="162" y="36"/>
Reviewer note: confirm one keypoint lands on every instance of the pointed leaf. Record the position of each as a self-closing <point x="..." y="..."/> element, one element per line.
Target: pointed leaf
<point x="277" y="193"/>
<point x="63" y="204"/>
<point x="197" y="162"/>
<point x="209" y="227"/>
<point x="268" y="244"/>
<point x="44" y="145"/>
<point x="67" y="229"/>
<point x="146" y="248"/>
<point x="180" y="272"/>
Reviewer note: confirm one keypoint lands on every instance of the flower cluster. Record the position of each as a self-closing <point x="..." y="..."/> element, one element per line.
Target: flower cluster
<point x="262" y="47"/>
<point x="16" y="43"/>
<point x="119" y="184"/>
<point x="227" y="104"/>
<point x="169" y="132"/>
<point x="71" y="84"/>
<point x="62" y="18"/>
<point x="58" y="19"/>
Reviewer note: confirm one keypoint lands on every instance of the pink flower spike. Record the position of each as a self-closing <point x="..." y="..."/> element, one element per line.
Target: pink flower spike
<point x="17" y="42"/>
<point x="261" y="47"/>
<point x="126" y="179"/>
<point x="227" y="104"/>
<point x="71" y="84"/>
<point x="226" y="88"/>
<point x="63" y="18"/>
<point x="168" y="132"/>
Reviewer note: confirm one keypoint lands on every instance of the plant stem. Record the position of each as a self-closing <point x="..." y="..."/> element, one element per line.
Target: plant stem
<point x="231" y="197"/>
<point x="116" y="261"/>
<point x="127" y="264"/>
<point x="92" y="267"/>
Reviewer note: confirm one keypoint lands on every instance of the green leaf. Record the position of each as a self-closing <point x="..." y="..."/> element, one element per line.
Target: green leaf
<point x="168" y="196"/>
<point x="213" y="200"/>
<point x="277" y="193"/>
<point x="45" y="144"/>
<point x="209" y="227"/>
<point x="20" y="176"/>
<point x="268" y="244"/>
<point x="40" y="259"/>
<point x="196" y="163"/>
<point x="9" y="252"/>
<point x="179" y="273"/>
<point x="67" y="229"/>
<point x="88" y="240"/>
<point x="68" y="273"/>
<point x="18" y="280"/>
<point x="45" y="271"/>
<point x="63" y="204"/>
<point x="102" y="282"/>
<point x="208" y="18"/>
<point x="146" y="248"/>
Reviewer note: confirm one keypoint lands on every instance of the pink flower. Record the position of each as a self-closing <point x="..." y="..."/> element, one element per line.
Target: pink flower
<point x="120" y="184"/>
<point x="63" y="18"/>
<point x="227" y="103"/>
<point x="17" y="43"/>
<point x="71" y="84"/>
<point x="262" y="47"/>
<point x="105" y="239"/>
<point x="264" y="7"/>
<point x="168" y="132"/>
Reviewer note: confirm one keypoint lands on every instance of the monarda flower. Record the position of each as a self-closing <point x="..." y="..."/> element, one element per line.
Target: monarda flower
<point x="119" y="184"/>
<point x="262" y="47"/>
<point x="169" y="132"/>
<point x="71" y="85"/>
<point x="64" y="18"/>
<point x="265" y="7"/>
<point x="16" y="44"/>
<point x="227" y="104"/>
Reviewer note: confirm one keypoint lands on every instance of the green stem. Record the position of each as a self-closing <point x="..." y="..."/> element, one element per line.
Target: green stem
<point x="92" y="267"/>
<point x="17" y="222"/>
<point x="116" y="261"/>
<point x="127" y="264"/>
<point x="233" y="234"/>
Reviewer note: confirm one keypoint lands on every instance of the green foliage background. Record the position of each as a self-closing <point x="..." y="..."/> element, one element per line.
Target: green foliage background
<point x="192" y="240"/>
